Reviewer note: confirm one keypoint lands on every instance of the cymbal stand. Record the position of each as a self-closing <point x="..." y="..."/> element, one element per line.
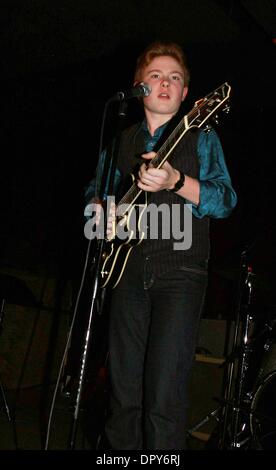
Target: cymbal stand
<point x="243" y="365"/>
<point x="235" y="404"/>
<point x="7" y="410"/>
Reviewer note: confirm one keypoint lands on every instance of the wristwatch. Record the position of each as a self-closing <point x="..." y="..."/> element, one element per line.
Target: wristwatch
<point x="178" y="185"/>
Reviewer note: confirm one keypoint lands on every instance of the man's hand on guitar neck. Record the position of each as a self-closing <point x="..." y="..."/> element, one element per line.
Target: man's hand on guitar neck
<point x="155" y="179"/>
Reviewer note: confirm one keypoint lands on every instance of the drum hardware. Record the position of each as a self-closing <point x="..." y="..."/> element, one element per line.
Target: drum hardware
<point x="239" y="416"/>
<point x="248" y="413"/>
<point x="268" y="363"/>
<point x="263" y="413"/>
<point x="235" y="408"/>
<point x="263" y="402"/>
<point x="232" y="406"/>
<point x="206" y="419"/>
<point x="246" y="416"/>
<point x="267" y="345"/>
<point x="10" y="416"/>
<point x="6" y="406"/>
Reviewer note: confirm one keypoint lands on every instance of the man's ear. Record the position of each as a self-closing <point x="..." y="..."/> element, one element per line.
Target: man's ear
<point x="184" y="94"/>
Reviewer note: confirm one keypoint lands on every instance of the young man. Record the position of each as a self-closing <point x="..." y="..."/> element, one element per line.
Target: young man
<point x="156" y="306"/>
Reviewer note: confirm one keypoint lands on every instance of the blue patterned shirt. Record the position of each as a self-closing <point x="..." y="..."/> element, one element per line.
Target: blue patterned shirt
<point x="217" y="196"/>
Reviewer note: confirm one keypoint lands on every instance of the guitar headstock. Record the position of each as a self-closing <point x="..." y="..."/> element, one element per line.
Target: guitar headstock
<point x="209" y="107"/>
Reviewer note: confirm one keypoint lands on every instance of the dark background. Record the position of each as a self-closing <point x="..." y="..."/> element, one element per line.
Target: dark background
<point x="61" y="60"/>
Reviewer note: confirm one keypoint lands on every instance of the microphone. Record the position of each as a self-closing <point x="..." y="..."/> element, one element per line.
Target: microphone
<point x="138" y="91"/>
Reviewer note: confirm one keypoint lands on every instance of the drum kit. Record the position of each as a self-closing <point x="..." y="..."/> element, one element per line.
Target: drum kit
<point x="246" y="416"/>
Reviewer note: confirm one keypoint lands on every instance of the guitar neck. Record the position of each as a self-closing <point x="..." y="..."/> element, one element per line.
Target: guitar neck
<point x="160" y="157"/>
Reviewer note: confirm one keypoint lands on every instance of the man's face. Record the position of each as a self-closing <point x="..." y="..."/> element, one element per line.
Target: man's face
<point x="166" y="78"/>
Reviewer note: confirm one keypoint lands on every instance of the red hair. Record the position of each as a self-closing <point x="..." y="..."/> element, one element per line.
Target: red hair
<point x="161" y="48"/>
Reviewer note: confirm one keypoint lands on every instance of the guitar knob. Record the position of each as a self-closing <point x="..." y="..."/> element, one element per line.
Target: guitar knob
<point x="207" y="128"/>
<point x="216" y="119"/>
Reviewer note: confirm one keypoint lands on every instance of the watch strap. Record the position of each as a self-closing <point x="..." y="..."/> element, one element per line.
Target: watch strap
<point x="178" y="185"/>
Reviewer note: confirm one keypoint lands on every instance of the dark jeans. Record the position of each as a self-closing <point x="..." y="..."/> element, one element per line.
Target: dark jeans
<point x="153" y="331"/>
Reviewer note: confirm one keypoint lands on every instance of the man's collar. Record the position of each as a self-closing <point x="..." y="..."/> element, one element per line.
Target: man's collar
<point x="157" y="132"/>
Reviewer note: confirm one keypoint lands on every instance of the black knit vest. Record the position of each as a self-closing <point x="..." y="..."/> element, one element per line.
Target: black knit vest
<point x="184" y="157"/>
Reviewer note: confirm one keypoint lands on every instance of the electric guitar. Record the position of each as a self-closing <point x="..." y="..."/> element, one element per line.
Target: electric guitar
<point x="126" y="234"/>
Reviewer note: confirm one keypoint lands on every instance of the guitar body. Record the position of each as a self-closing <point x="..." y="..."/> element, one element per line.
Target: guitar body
<point x="127" y="233"/>
<point x="114" y="261"/>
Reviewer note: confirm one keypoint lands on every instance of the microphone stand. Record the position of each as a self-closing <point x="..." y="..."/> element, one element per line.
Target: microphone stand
<point x="96" y="271"/>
